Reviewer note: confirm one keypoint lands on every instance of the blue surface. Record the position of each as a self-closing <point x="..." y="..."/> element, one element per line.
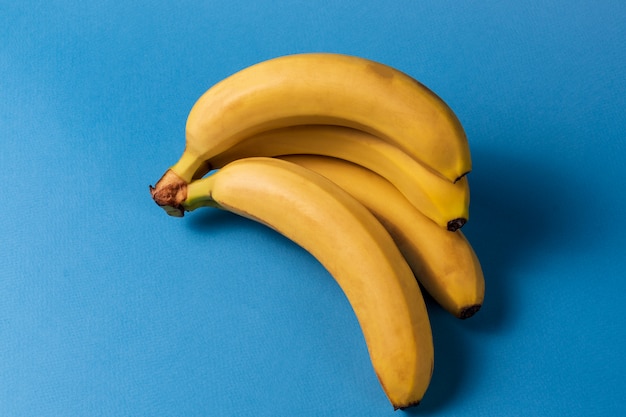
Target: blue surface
<point x="108" y="307"/>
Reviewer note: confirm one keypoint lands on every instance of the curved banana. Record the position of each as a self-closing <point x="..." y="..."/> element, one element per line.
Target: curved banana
<point x="354" y="247"/>
<point x="318" y="88"/>
<point x="446" y="203"/>
<point x="444" y="263"/>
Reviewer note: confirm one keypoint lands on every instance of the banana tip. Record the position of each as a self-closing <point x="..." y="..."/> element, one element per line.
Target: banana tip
<point x="405" y="406"/>
<point x="469" y="311"/>
<point x="454" y="225"/>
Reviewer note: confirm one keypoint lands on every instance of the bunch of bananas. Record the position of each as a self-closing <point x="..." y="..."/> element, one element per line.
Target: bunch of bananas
<point x="362" y="166"/>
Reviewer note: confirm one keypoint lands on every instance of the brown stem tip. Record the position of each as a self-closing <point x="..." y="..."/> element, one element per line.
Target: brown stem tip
<point x="169" y="193"/>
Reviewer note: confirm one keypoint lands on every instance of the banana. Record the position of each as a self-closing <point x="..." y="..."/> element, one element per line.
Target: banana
<point x="444" y="263"/>
<point x="446" y="203"/>
<point x="318" y="88"/>
<point x="353" y="246"/>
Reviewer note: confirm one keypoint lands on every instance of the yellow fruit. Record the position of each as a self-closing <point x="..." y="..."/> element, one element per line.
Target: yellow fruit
<point x="318" y="88"/>
<point x="443" y="262"/>
<point x="446" y="203"/>
<point x="353" y="246"/>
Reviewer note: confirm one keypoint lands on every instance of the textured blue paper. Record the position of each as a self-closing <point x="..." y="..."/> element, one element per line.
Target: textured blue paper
<point x="108" y="307"/>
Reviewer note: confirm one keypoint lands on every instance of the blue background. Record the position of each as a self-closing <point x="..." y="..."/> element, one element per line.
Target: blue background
<point x="108" y="307"/>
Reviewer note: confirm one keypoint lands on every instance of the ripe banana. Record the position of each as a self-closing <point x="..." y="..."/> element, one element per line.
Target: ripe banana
<point x="444" y="263"/>
<point x="354" y="247"/>
<point x="446" y="203"/>
<point x="318" y="88"/>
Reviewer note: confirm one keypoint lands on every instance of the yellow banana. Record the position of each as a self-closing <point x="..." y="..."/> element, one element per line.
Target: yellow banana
<point x="446" y="203"/>
<point x="353" y="246"/>
<point x="444" y="263"/>
<point x="318" y="88"/>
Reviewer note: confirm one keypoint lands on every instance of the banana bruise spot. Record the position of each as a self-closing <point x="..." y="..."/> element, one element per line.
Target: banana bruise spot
<point x="382" y="71"/>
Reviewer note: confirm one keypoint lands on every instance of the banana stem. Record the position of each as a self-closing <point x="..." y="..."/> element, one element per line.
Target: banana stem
<point x="171" y="190"/>
<point x="199" y="195"/>
<point x="190" y="166"/>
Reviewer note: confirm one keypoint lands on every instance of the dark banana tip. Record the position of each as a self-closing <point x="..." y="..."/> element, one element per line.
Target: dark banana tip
<point x="456" y="224"/>
<point x="407" y="406"/>
<point x="469" y="311"/>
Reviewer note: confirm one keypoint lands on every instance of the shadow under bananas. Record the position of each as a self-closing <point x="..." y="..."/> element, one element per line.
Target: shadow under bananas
<point x="520" y="210"/>
<point x="214" y="220"/>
